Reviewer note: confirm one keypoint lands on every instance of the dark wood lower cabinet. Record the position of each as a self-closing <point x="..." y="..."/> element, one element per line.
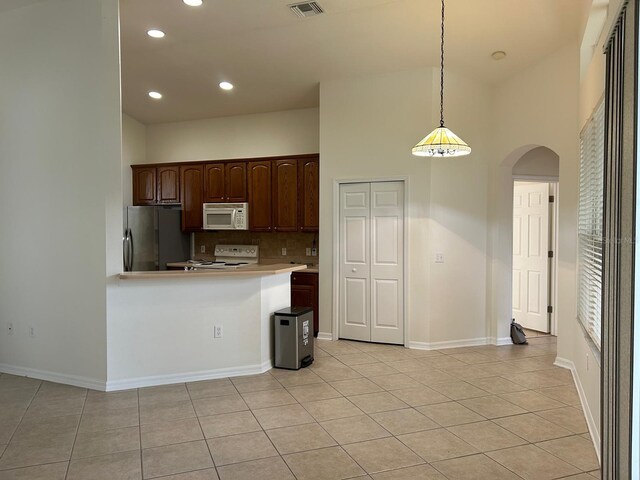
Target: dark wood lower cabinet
<point x="304" y="293"/>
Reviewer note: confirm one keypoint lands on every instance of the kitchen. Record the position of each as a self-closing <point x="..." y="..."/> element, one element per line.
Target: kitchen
<point x="268" y="204"/>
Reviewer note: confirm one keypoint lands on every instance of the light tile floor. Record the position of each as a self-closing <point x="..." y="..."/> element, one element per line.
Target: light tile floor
<point x="361" y="411"/>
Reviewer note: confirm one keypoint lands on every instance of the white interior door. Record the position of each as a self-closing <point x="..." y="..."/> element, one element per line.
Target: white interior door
<point x="371" y="290"/>
<point x="355" y="269"/>
<point x="530" y="255"/>
<point x="387" y="251"/>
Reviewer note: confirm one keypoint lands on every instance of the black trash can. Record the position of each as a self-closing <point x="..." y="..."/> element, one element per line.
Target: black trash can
<point x="294" y="337"/>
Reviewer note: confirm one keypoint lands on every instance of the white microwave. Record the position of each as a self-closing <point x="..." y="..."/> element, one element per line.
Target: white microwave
<point x="225" y="216"/>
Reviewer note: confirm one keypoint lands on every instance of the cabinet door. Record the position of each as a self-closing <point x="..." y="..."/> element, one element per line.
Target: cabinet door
<point x="285" y="195"/>
<point x="214" y="182"/>
<point x="191" y="196"/>
<point x="236" y="182"/>
<point x="304" y="293"/>
<point x="259" y="183"/>
<point x="168" y="185"/>
<point x="144" y="185"/>
<point x="308" y="192"/>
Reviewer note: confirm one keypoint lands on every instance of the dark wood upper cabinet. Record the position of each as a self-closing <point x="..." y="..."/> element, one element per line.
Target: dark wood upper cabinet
<point x="168" y="189"/>
<point x="214" y="182"/>
<point x="259" y="186"/>
<point x="144" y="185"/>
<point x="236" y="182"/>
<point x="309" y="194"/>
<point x="191" y="196"/>
<point x="285" y="195"/>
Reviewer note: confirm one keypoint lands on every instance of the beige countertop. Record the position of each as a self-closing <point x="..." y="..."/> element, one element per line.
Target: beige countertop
<point x="252" y="270"/>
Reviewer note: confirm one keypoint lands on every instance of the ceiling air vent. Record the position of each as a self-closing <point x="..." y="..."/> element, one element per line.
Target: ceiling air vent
<point x="306" y="9"/>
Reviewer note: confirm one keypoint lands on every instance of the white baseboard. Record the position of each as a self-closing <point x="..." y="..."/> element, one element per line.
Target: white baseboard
<point x="325" y="336"/>
<point x="152" y="381"/>
<point x="470" y="342"/>
<point x="74" y="380"/>
<point x="500" y="341"/>
<point x="591" y="424"/>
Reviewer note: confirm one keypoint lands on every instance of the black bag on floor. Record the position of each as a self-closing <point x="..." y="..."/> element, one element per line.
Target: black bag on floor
<point x="517" y="333"/>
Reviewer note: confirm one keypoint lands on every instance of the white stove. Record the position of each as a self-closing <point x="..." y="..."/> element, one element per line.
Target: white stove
<point x="229" y="257"/>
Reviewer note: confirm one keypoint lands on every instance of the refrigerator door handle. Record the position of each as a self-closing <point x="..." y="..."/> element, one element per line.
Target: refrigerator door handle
<point x="124" y="250"/>
<point x="130" y="240"/>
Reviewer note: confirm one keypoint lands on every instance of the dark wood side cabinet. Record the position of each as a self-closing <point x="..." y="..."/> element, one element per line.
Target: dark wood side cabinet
<point x="144" y="185"/>
<point x="285" y="195"/>
<point x="259" y="186"/>
<point x="168" y="188"/>
<point x="309" y="194"/>
<point x="191" y="197"/>
<point x="304" y="293"/>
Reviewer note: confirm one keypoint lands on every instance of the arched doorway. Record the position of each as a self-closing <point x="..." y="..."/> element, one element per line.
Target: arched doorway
<point x="535" y="211"/>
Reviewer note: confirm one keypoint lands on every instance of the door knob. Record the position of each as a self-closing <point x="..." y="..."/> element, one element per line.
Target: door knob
<point x="354" y="270"/>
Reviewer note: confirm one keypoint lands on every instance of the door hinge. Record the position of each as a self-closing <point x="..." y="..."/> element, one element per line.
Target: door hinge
<point x="550" y="254"/>
<point x="549" y="309"/>
<point x="551" y="199"/>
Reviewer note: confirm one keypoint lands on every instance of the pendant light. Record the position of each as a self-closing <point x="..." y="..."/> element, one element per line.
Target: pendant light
<point x="442" y="142"/>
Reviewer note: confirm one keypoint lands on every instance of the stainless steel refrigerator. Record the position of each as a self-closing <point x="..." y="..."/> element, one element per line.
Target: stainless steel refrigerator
<point x="153" y="237"/>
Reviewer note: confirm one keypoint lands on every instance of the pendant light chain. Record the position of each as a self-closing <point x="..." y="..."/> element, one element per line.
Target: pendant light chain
<point x="442" y="68"/>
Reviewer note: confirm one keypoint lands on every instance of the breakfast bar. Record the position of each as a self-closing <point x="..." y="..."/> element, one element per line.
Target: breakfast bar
<point x="162" y="330"/>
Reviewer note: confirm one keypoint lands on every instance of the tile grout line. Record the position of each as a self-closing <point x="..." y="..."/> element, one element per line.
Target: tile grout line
<point x="140" y="433"/>
<point x="75" y="439"/>
<point x="23" y="415"/>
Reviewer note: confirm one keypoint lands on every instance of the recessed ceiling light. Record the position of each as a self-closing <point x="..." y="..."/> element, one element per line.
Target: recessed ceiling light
<point x="226" y="85"/>
<point x="155" y="33"/>
<point x="156" y="95"/>
<point x="193" y="3"/>
<point x="498" y="55"/>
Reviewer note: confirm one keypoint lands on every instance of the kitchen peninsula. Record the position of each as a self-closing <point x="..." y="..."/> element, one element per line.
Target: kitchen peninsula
<point x="163" y="330"/>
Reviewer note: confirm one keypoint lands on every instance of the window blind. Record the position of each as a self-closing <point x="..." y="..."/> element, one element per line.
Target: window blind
<point x="590" y="224"/>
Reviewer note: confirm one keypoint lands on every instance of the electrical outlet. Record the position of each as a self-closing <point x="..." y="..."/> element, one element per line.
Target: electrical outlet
<point x="284" y="251"/>
<point x="439" y="257"/>
<point x="314" y="252"/>
<point x="308" y="252"/>
<point x="32" y="331"/>
<point x="202" y="249"/>
<point x="9" y="328"/>
<point x="217" y="331"/>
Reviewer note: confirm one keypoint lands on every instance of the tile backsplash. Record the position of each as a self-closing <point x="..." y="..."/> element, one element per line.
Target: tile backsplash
<point x="271" y="245"/>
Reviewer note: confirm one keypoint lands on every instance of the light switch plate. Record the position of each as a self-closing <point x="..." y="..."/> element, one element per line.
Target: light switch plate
<point x="308" y="252"/>
<point x="439" y="257"/>
<point x="284" y="251"/>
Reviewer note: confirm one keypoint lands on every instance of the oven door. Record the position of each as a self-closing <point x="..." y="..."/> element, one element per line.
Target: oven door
<point x="218" y="218"/>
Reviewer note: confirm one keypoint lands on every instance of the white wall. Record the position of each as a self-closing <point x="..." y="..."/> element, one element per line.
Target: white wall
<point x="60" y="185"/>
<point x="368" y="126"/>
<point x="540" y="106"/>
<point x="134" y="151"/>
<point x="161" y="330"/>
<point x="290" y="132"/>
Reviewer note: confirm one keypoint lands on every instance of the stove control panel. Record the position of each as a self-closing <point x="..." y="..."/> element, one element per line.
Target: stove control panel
<point x="245" y="251"/>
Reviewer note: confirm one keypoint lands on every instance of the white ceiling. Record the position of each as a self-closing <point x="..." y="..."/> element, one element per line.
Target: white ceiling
<point x="276" y="60"/>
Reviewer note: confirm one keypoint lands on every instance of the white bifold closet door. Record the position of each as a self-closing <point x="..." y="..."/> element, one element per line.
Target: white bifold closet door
<point x="371" y="303"/>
